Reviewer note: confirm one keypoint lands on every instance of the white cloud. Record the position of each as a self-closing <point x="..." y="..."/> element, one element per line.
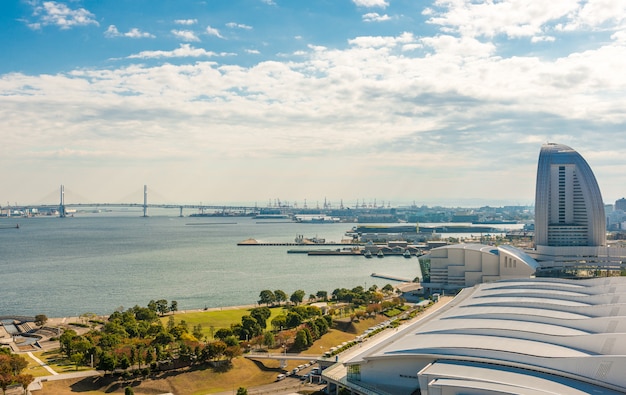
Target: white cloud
<point x="383" y="41"/>
<point x="619" y="36"/>
<point x="59" y="14"/>
<point x="234" y="25"/>
<point x="595" y="15"/>
<point x="186" y="22"/>
<point x="375" y="17"/>
<point x="211" y="31"/>
<point x="185" y="35"/>
<point x="184" y="51"/>
<point x="371" y="3"/>
<point x="407" y="102"/>
<point x="532" y="19"/>
<point x="112" y="32"/>
<point x="512" y="18"/>
<point x="253" y="51"/>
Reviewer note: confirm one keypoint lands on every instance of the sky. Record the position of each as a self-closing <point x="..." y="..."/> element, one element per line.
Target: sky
<point x="435" y="102"/>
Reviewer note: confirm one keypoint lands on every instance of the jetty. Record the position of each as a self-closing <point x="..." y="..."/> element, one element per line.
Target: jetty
<point x="254" y="242"/>
<point x="393" y="278"/>
<point x="351" y="251"/>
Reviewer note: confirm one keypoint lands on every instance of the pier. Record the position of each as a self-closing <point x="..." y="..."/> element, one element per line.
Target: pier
<point x="254" y="242"/>
<point x="393" y="278"/>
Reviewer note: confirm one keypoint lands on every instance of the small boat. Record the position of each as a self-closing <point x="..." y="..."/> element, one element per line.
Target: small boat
<point x="406" y="254"/>
<point x="380" y="254"/>
<point x="367" y="254"/>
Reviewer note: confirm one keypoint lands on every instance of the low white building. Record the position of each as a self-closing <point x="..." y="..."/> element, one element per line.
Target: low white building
<point x="464" y="265"/>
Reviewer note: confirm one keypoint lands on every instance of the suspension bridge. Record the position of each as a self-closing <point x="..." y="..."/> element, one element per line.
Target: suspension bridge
<point x="62" y="207"/>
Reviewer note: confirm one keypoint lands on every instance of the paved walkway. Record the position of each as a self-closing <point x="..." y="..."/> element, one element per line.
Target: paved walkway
<point x="42" y="363"/>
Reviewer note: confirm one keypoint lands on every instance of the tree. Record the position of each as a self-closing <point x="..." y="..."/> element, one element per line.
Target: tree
<point x="242" y="391"/>
<point x="293" y="319"/>
<point x="129" y="391"/>
<point x="268" y="339"/>
<point x="297" y="296"/>
<point x="223" y="333"/>
<point x="24" y="380"/>
<point x="17" y="364"/>
<point x="215" y="350"/>
<point x="5" y="381"/>
<point x="388" y="288"/>
<point x="301" y="341"/>
<point x="323" y="295"/>
<point x="107" y="362"/>
<point x="149" y="355"/>
<point x="261" y="314"/>
<point x="65" y="341"/>
<point x="41" y="319"/>
<point x="279" y="322"/>
<point x="162" y="307"/>
<point x="267" y="297"/>
<point x="249" y="328"/>
<point x="123" y="362"/>
<point x="77" y="358"/>
<point x="174" y="306"/>
<point x="280" y="295"/>
<point x="232" y="352"/>
<point x="197" y="331"/>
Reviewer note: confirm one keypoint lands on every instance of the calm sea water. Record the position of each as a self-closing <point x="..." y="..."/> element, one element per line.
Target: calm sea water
<point x="99" y="262"/>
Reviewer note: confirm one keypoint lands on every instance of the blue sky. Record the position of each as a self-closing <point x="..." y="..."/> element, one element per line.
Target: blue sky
<point x="217" y="101"/>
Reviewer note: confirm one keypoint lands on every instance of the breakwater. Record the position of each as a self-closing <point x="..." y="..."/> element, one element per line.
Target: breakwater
<point x="392" y="277"/>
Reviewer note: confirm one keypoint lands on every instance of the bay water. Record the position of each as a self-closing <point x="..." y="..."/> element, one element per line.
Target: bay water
<point x="98" y="263"/>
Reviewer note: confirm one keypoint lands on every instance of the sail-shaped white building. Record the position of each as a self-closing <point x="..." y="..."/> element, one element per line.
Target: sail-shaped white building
<point x="570" y="221"/>
<point x="569" y="210"/>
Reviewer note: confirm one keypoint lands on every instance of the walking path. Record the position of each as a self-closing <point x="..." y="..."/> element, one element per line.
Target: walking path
<point x="43" y="364"/>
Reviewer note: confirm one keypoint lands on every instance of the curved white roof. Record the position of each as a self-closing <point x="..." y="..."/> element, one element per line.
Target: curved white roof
<point x="574" y="328"/>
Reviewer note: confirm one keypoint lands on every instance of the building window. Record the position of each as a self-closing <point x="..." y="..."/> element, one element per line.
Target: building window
<point x="354" y="372"/>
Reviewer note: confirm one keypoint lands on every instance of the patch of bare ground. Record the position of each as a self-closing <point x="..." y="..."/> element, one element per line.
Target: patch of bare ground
<point x="195" y="380"/>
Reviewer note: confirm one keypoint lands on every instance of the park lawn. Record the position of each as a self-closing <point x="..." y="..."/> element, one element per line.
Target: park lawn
<point x="34" y="368"/>
<point x="216" y="318"/>
<point x="58" y="362"/>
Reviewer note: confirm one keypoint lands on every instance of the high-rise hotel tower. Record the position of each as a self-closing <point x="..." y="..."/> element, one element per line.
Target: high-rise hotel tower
<point x="569" y="210"/>
<point x="570" y="222"/>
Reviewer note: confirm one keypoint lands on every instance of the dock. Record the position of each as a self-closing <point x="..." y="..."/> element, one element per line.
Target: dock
<point x="254" y="242"/>
<point x="393" y="278"/>
<point x="351" y="252"/>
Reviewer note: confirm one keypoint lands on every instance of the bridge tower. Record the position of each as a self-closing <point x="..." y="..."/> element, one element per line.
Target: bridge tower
<point x="145" y="200"/>
<point x="62" y="203"/>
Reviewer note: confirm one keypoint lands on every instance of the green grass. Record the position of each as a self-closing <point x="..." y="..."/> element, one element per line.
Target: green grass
<point x="217" y="319"/>
<point x="58" y="362"/>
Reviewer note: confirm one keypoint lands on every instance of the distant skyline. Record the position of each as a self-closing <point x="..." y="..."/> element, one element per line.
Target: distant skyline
<point x="216" y="101"/>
